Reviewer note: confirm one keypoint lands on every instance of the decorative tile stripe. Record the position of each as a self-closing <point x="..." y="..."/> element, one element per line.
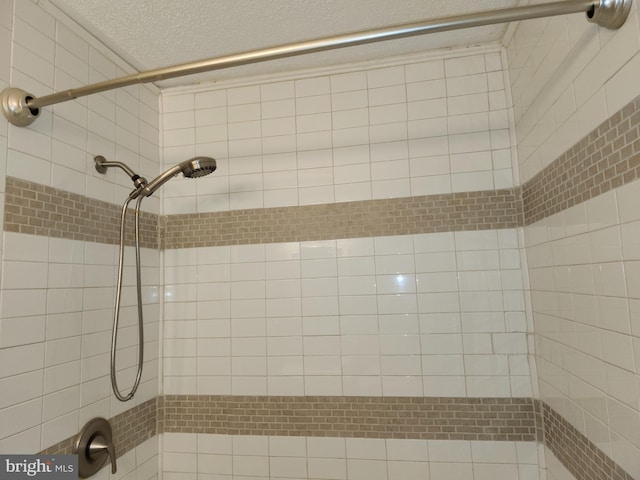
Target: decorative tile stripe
<point x="135" y="426"/>
<point x="130" y="429"/>
<point x="485" y="210"/>
<point x="579" y="455"/>
<point x="445" y="418"/>
<point x="607" y="158"/>
<point x="39" y="210"/>
<point x="65" y="447"/>
<point x="426" y="418"/>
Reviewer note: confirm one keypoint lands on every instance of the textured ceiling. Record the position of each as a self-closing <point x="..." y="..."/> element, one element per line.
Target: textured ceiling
<point x="157" y="33"/>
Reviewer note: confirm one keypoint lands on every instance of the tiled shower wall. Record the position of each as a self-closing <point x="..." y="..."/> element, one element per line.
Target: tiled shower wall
<point x="414" y="127"/>
<point x="57" y="287"/>
<point x="398" y="314"/>
<point x="568" y="77"/>
<point x="191" y="456"/>
<point x="433" y="314"/>
<point x="424" y="126"/>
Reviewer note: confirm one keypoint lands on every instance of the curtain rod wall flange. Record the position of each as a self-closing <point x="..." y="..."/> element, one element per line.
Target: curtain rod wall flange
<point x="22" y="109"/>
<point x="610" y="14"/>
<point x="15" y="107"/>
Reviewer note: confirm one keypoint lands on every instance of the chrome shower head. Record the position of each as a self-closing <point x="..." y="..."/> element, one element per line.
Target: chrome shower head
<point x="192" y="168"/>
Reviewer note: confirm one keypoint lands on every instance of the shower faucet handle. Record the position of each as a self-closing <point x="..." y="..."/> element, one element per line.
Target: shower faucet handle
<point x="97" y="448"/>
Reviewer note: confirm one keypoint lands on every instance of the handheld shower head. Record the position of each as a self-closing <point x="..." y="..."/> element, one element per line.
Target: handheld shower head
<point x="198" y="167"/>
<point x="192" y="168"/>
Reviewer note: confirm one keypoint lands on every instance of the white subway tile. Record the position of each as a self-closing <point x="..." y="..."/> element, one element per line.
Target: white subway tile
<point x="490" y="471"/>
<point x="464" y="65"/>
<point x="388" y="114"/>
<point x="364" y="448"/>
<point x="312" y="86"/>
<point x="358" y="324"/>
<point x="181" y="442"/>
<point x="319" y="447"/>
<point x="416" y="72"/>
<point x="248" y="385"/>
<point x="468" y="104"/>
<point x="214" y="444"/>
<point x="22" y="331"/>
<point x="467" y="84"/>
<point x="426" y="90"/>
<point x="211" y="99"/>
<point x="476" y="181"/>
<point x="323" y="385"/>
<point x="407" y="450"/>
<point x="387" y="95"/>
<point x="277" y="91"/>
<point x="350" y="100"/>
<point x="325" y="468"/>
<point x="402" y="385"/>
<point x="405" y="469"/>
<point x="21" y="417"/>
<point x="385" y="76"/>
<point x="281" y="467"/>
<point x="609" y="279"/>
<point x="21" y="388"/>
<point x="314" y="104"/>
<point x="179" y="462"/>
<point x="455" y="451"/>
<point x="360" y="365"/>
<point x="353" y="136"/>
<point x="243" y="95"/>
<point x="348" y="81"/>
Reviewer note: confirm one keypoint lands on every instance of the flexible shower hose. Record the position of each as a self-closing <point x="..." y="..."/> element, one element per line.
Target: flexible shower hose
<point x="116" y="314"/>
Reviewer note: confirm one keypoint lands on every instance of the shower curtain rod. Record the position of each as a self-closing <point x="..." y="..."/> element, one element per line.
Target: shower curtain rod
<point x="21" y="108"/>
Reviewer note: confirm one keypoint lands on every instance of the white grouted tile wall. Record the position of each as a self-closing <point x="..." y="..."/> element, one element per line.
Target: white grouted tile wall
<point x="56" y="315"/>
<point x="432" y="124"/>
<point x="433" y="314"/>
<point x="568" y="76"/>
<point x="141" y="463"/>
<point x="412" y="315"/>
<point x="585" y="270"/>
<point x="58" y="149"/>
<point x="6" y="15"/>
<point x="56" y="297"/>
<point x="553" y="468"/>
<point x="228" y="457"/>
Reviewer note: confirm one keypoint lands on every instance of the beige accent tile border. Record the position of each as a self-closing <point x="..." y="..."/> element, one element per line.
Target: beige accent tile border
<point x="36" y="209"/>
<point x="607" y="158"/>
<point x="130" y="429"/>
<point x="579" y="455"/>
<point x="485" y="210"/>
<point x="431" y="418"/>
<point x="443" y="418"/>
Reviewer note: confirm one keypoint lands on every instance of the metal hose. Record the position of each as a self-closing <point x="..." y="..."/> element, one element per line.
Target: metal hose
<point x="116" y="314"/>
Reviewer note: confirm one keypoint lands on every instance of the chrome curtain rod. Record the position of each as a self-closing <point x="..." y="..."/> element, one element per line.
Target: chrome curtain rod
<point x="22" y="108"/>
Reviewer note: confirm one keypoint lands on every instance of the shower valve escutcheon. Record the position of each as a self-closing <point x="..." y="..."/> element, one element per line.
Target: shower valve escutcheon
<point x="94" y="445"/>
